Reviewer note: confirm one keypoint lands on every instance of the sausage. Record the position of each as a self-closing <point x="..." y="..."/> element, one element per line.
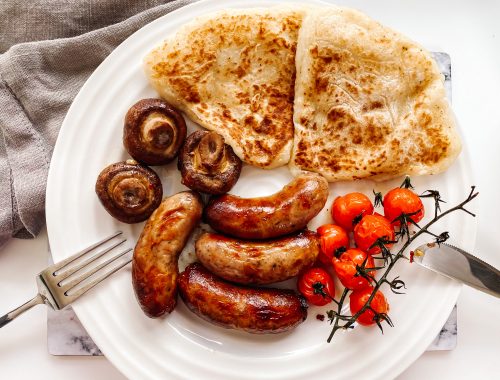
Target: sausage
<point x="257" y="262"/>
<point x="154" y="264"/>
<point x="255" y="310"/>
<point x="282" y="213"/>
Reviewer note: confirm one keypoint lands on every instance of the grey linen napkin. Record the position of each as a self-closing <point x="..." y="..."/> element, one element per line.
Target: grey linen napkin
<point x="38" y="82"/>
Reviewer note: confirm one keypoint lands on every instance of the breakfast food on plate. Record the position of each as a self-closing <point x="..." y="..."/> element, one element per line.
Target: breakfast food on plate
<point x="317" y="286"/>
<point x="282" y="213"/>
<point x="153" y="132"/>
<point x="255" y="310"/>
<point x="257" y="262"/>
<point x="154" y="264"/>
<point x="207" y="164"/>
<point x="329" y="91"/>
<point x="332" y="240"/>
<point x="369" y="102"/>
<point x="347" y="264"/>
<point x="378" y="307"/>
<point x="370" y="229"/>
<point x="129" y="191"/>
<point x="400" y="201"/>
<point x="233" y="72"/>
<point x="349" y="208"/>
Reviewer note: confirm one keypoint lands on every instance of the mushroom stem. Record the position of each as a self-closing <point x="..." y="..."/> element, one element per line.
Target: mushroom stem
<point x="211" y="151"/>
<point x="159" y="130"/>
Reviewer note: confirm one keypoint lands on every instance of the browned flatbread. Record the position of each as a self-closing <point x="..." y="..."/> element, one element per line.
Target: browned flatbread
<point x="233" y="72"/>
<point x="369" y="102"/>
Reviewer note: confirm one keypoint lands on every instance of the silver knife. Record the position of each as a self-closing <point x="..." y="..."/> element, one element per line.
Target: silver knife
<point x="459" y="265"/>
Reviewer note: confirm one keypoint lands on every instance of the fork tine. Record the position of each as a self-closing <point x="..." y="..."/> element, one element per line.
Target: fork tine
<point x="68" y="272"/>
<point x="90" y="285"/>
<point x="63" y="263"/>
<point x="67" y="287"/>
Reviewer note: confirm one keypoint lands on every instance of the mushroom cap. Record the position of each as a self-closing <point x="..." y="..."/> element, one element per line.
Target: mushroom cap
<point x="129" y="191"/>
<point x="207" y="164"/>
<point x="153" y="132"/>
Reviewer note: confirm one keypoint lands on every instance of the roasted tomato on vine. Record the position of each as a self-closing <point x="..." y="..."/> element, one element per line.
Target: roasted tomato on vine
<point x="369" y="230"/>
<point x="358" y="299"/>
<point x="317" y="286"/>
<point x="346" y="271"/>
<point x="347" y="208"/>
<point x="401" y="200"/>
<point x="332" y="237"/>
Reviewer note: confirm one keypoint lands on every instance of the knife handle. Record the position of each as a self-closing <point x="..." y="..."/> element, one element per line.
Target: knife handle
<point x="488" y="275"/>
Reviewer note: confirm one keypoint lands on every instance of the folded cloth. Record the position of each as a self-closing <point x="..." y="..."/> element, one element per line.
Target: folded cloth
<point x="38" y="82"/>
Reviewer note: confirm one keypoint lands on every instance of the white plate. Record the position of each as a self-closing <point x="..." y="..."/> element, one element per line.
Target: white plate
<point x="182" y="345"/>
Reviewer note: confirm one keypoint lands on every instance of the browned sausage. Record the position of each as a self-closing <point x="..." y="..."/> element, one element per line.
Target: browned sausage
<point x="282" y="213"/>
<point x="257" y="262"/>
<point x="254" y="310"/>
<point x="154" y="265"/>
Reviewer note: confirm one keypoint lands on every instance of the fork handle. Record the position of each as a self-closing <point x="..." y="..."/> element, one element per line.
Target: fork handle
<point x="21" y="309"/>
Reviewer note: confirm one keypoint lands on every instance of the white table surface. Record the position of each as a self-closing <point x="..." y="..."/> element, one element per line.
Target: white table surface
<point x="470" y="33"/>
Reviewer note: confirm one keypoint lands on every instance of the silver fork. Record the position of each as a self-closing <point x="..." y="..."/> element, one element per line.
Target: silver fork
<point x="55" y="287"/>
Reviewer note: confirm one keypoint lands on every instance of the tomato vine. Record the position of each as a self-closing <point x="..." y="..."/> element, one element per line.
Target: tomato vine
<point x="343" y="322"/>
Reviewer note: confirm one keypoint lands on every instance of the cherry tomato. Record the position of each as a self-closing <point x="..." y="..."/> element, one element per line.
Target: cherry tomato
<point x="345" y="268"/>
<point x="331" y="238"/>
<point x="357" y="300"/>
<point x="317" y="286"/>
<point x="346" y="208"/>
<point x="400" y="200"/>
<point x="371" y="228"/>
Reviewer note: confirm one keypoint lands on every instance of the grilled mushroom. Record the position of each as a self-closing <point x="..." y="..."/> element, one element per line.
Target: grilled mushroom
<point x="207" y="164"/>
<point x="154" y="132"/>
<point x="129" y="191"/>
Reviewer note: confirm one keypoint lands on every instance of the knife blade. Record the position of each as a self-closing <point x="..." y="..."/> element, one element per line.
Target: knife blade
<point x="459" y="265"/>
